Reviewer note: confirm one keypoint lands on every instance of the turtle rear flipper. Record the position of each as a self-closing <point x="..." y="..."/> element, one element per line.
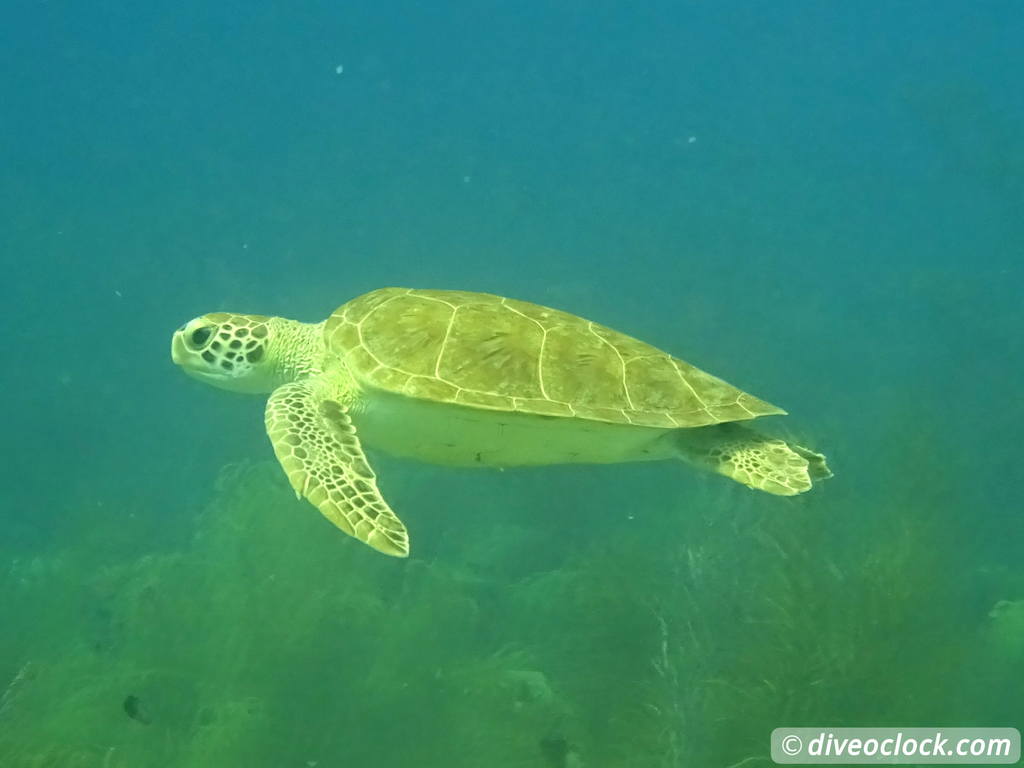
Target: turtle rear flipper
<point x="763" y="463"/>
<point x="817" y="467"/>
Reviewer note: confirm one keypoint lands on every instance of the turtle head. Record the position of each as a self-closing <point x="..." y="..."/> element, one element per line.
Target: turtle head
<point x="241" y="353"/>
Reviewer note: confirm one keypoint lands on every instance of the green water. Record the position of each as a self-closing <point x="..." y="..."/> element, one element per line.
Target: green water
<point x="822" y="204"/>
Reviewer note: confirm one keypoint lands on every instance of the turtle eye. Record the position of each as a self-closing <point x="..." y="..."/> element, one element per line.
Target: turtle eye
<point x="201" y="335"/>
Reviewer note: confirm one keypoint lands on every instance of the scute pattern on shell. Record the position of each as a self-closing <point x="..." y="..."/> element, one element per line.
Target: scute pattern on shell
<point x="486" y="351"/>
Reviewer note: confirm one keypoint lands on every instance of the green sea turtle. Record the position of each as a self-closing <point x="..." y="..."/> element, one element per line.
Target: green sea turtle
<point x="471" y="379"/>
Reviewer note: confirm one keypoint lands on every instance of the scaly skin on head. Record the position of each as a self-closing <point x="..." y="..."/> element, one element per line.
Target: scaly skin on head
<point x="248" y="353"/>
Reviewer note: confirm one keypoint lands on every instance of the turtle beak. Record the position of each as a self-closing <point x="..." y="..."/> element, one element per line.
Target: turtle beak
<point x="178" y="347"/>
<point x="189" y="359"/>
<point x="182" y="353"/>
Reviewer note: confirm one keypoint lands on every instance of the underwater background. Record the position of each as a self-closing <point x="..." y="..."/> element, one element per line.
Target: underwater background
<point x="822" y="203"/>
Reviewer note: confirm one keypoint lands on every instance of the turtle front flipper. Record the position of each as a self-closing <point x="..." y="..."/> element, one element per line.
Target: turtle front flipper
<point x="315" y="442"/>
<point x="758" y="462"/>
